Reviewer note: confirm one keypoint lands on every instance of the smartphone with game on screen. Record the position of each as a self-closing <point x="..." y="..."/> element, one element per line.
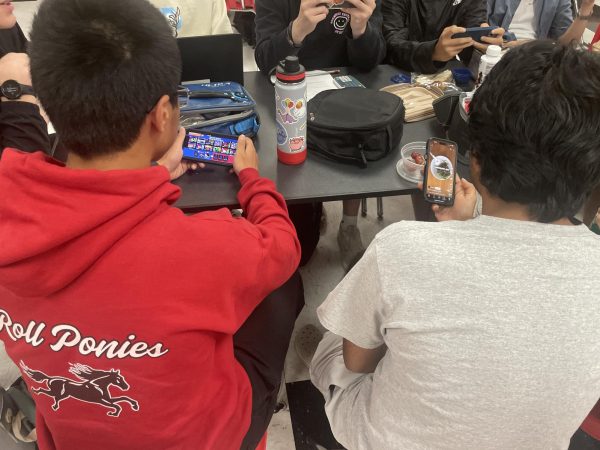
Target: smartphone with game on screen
<point x="210" y="148"/>
<point x="440" y="171"/>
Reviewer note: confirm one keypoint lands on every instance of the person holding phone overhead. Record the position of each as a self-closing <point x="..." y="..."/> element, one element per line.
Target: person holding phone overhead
<point x="321" y="37"/>
<point x="419" y="33"/>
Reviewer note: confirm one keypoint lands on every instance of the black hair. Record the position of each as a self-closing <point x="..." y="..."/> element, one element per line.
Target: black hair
<point x="535" y="128"/>
<point x="98" y="68"/>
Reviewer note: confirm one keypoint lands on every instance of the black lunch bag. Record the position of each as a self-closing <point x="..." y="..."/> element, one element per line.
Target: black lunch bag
<point x="355" y="125"/>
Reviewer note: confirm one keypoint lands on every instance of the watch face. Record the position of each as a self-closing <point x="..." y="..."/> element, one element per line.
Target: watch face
<point x="11" y="89"/>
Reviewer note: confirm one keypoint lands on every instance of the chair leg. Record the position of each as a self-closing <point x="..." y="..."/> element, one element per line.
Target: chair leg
<point x="379" y="208"/>
<point x="363" y="207"/>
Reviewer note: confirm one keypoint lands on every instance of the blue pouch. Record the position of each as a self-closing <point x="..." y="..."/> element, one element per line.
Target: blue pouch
<point x="222" y="107"/>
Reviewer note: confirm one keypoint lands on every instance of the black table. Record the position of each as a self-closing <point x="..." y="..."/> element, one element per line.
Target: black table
<point x="315" y="180"/>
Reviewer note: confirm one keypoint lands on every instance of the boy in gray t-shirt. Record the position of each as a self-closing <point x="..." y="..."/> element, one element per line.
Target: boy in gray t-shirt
<point x="483" y="333"/>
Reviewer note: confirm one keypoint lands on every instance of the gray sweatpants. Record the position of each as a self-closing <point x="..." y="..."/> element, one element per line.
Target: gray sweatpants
<point x="339" y="386"/>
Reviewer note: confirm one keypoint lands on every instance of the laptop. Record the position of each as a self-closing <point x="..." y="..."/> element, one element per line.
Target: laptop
<point x="214" y="58"/>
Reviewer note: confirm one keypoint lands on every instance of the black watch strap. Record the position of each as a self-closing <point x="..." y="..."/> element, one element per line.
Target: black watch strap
<point x="13" y="90"/>
<point x="27" y="90"/>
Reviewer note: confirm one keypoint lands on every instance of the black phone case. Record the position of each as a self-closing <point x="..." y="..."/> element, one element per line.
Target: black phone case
<point x="476" y="35"/>
<point x="426" y="174"/>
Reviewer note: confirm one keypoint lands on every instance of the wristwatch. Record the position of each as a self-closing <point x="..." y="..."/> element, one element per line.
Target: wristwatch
<point x="13" y="90"/>
<point x="582" y="17"/>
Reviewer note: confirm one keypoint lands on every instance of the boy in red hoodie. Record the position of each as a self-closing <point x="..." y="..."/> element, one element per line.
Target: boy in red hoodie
<point x="134" y="325"/>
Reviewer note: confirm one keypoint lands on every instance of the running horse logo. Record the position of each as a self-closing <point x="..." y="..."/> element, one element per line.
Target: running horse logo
<point x="93" y="387"/>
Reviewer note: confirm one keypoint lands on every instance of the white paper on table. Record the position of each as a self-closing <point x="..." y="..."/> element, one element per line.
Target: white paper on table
<point x="318" y="83"/>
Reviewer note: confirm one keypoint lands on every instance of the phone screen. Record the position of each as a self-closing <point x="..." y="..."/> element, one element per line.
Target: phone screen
<point x="441" y="171"/>
<point x="209" y="148"/>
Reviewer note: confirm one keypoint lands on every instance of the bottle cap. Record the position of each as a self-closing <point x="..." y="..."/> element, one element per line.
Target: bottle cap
<point x="494" y="51"/>
<point x="290" y="70"/>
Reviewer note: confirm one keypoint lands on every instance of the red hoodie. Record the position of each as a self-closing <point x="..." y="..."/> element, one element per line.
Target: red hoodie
<point x="591" y="425"/>
<point x="120" y="309"/>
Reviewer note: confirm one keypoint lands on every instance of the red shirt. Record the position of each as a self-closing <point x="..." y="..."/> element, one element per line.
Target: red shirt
<point x="591" y="425"/>
<point x="120" y="309"/>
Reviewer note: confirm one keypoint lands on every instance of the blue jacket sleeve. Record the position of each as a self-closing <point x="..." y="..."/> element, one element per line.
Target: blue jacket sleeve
<point x="562" y="20"/>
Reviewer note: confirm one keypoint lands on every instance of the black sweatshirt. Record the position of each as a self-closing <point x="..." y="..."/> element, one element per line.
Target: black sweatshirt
<point x="21" y="125"/>
<point x="329" y="45"/>
<point x="412" y="27"/>
<point x="12" y="41"/>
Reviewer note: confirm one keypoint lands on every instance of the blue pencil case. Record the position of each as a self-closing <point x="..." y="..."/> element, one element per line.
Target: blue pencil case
<point x="220" y="107"/>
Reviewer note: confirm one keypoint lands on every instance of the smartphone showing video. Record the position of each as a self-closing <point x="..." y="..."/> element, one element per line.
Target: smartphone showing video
<point x="210" y="148"/>
<point x="440" y="171"/>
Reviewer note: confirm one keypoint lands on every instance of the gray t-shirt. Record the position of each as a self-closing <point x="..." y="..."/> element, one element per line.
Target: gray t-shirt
<point x="493" y="335"/>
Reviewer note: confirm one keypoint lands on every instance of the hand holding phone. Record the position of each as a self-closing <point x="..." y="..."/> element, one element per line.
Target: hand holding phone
<point x="465" y="201"/>
<point x="440" y="172"/>
<point x="477" y="33"/>
<point x="448" y="47"/>
<point x="311" y="13"/>
<point x="246" y="157"/>
<point x="360" y="14"/>
<point x="496" y="37"/>
<point x="173" y="160"/>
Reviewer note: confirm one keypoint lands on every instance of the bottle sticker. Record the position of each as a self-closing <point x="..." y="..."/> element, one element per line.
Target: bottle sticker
<point x="297" y="144"/>
<point x="292" y="110"/>
<point x="281" y="134"/>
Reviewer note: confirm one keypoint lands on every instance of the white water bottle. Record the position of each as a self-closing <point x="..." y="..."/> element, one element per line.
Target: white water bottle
<point x="488" y="61"/>
<point x="290" y="111"/>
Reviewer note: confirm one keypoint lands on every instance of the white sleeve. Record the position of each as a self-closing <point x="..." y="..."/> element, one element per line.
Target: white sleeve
<point x="220" y="20"/>
<point x="355" y="308"/>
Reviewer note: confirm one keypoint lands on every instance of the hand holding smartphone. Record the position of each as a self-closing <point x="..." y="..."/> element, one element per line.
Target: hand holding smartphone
<point x="223" y="150"/>
<point x="246" y="157"/>
<point x="440" y="172"/>
<point x="475" y="33"/>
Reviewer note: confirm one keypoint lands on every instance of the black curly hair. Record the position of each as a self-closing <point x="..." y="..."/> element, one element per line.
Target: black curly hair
<point x="535" y="128"/>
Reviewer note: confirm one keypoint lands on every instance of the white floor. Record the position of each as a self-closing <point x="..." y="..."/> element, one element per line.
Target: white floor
<point x="320" y="276"/>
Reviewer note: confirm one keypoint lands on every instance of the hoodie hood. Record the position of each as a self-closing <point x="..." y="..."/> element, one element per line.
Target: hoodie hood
<point x="56" y="222"/>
